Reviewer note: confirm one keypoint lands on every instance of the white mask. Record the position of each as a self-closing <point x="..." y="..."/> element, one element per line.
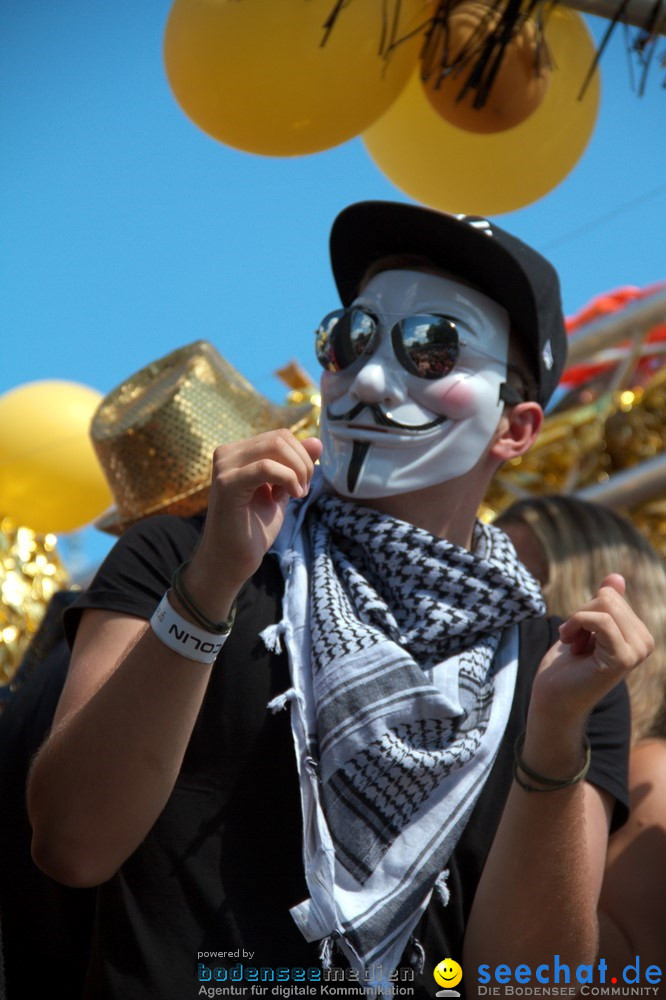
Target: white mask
<point x="445" y="423"/>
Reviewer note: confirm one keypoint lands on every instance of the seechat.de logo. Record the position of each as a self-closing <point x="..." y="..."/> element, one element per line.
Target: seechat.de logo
<point x="448" y="974"/>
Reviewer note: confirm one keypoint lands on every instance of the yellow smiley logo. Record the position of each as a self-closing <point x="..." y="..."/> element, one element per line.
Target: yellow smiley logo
<point x="447" y="973"/>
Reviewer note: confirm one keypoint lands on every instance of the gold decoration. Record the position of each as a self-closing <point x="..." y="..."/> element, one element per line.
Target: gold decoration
<point x="30" y="574"/>
<point x="588" y="443"/>
<point x="637" y="430"/>
<point x="650" y="519"/>
<point x="570" y="452"/>
<point x="304" y="391"/>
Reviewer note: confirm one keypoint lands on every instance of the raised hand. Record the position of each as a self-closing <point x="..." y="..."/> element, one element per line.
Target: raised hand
<point x="599" y="645"/>
<point x="252" y="482"/>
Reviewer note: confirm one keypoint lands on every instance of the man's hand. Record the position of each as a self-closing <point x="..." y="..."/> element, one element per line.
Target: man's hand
<point x="252" y="482"/>
<point x="599" y="646"/>
<point x="540" y="885"/>
<point x="93" y="796"/>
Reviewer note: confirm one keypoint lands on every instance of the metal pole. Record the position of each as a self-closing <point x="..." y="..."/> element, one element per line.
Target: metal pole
<point x="637" y="12"/>
<point x="603" y="333"/>
<point x="630" y="487"/>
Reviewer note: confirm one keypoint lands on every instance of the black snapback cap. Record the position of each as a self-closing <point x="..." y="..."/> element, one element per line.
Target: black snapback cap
<point x="500" y="265"/>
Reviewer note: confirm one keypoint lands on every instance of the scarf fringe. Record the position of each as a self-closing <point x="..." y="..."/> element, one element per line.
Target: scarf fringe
<point x="326" y="952"/>
<point x="272" y="637"/>
<point x="442" y="889"/>
<point x="280" y="702"/>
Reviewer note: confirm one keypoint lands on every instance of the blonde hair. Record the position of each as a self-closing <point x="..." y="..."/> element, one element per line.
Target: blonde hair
<point x="583" y="542"/>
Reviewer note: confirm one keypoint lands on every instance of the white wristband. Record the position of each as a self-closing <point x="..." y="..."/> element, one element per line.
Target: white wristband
<point x="184" y="637"/>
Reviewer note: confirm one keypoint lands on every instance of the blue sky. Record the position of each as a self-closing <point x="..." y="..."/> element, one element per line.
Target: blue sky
<point x="127" y="232"/>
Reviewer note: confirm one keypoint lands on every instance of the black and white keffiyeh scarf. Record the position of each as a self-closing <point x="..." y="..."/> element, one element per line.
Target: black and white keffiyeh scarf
<point x="403" y="653"/>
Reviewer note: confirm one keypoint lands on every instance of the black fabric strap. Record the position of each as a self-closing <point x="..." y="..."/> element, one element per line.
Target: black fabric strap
<point x="186" y="599"/>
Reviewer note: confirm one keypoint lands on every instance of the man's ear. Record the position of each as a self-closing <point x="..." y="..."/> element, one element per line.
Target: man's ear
<point x="517" y="431"/>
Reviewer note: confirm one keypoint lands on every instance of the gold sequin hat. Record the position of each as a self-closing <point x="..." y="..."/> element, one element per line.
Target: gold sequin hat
<point x="156" y="432"/>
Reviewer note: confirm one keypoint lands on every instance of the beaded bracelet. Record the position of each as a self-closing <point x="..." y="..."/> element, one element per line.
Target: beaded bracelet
<point x="552" y="784"/>
<point x="186" y="599"/>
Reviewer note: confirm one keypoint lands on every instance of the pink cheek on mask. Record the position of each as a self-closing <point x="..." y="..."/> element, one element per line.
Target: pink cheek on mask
<point x="332" y="385"/>
<point x="457" y="401"/>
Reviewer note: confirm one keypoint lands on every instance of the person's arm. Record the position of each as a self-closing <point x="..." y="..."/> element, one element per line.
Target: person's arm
<point x="632" y="907"/>
<point x="130" y="703"/>
<point x="539" y="890"/>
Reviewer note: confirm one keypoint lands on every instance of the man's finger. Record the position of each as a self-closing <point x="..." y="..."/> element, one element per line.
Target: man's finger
<point x="609" y="599"/>
<point x="279" y="445"/>
<point x="612" y="648"/>
<point x="243" y="482"/>
<point x="616" y="581"/>
<point x="314" y="448"/>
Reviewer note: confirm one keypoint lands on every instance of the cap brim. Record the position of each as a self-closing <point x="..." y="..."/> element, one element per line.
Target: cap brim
<point x="365" y="232"/>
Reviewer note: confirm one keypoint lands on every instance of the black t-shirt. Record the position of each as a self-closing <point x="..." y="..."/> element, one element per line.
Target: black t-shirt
<point x="222" y="865"/>
<point x="45" y="927"/>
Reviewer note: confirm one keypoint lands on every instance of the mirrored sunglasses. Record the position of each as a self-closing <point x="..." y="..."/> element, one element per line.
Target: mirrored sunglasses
<point x="425" y="344"/>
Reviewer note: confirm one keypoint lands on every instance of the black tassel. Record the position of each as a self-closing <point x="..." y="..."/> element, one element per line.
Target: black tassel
<point x="482" y="54"/>
<point x="330" y="21"/>
<point x="604" y="42"/>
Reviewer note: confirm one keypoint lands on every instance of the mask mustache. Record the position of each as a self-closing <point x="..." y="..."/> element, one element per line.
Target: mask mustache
<point x="382" y="419"/>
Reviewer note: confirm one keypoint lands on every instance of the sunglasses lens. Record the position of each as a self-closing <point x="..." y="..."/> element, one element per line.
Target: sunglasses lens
<point x="426" y="345"/>
<point x="324" y="346"/>
<point x="360" y="332"/>
<point x="342" y="337"/>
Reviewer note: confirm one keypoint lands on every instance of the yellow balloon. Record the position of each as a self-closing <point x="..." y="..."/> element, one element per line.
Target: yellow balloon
<point x="459" y="171"/>
<point x="254" y="74"/>
<point x="50" y="479"/>
<point x="517" y="90"/>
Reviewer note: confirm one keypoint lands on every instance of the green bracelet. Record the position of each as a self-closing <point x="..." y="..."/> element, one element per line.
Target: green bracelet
<point x="202" y="619"/>
<point x="552" y="784"/>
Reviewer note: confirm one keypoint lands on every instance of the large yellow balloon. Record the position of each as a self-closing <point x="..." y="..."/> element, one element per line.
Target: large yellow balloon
<point x="459" y="171"/>
<point x="254" y="74"/>
<point x="50" y="479"/>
